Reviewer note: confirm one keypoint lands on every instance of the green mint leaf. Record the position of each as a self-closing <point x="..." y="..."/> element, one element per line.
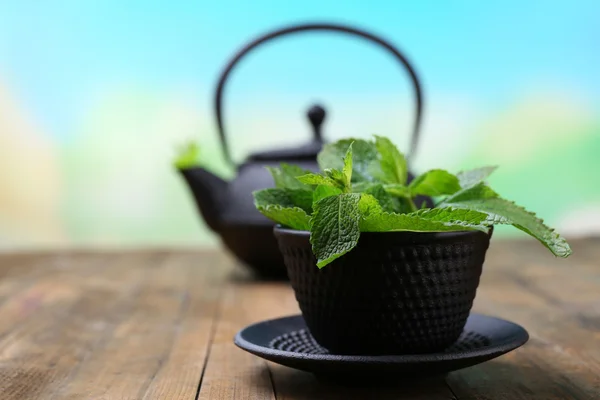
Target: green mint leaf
<point x="363" y="186"/>
<point x="501" y="211"/>
<point x="393" y="197"/>
<point x="285" y="176"/>
<point x="428" y="220"/>
<point x="187" y="156"/>
<point x="335" y="227"/>
<point x="302" y="198"/>
<point x="402" y="197"/>
<point x="455" y="216"/>
<point x="474" y="176"/>
<point x="392" y="161"/>
<point x="337" y="176"/>
<point x="284" y="197"/>
<point x="436" y="182"/>
<point x="368" y="205"/>
<point x="331" y="177"/>
<point x="397" y="190"/>
<point x="475" y="192"/>
<point x="363" y="157"/>
<point x="292" y="217"/>
<point x="386" y="200"/>
<point x="317" y="179"/>
<point x="277" y="196"/>
<point x="323" y="191"/>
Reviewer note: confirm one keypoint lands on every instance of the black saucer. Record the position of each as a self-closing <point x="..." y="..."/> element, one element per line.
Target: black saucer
<point x="287" y="341"/>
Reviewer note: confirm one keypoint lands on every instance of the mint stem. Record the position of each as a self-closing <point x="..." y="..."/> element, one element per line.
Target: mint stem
<point x="413" y="207"/>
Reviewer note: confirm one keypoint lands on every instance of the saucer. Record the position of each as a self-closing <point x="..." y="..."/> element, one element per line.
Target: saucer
<point x="287" y="341"/>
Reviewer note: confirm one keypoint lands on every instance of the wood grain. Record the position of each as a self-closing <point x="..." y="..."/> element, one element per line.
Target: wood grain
<point x="124" y="328"/>
<point x="180" y="374"/>
<point x="230" y="372"/>
<point x="35" y="350"/>
<point x="545" y="295"/>
<point x="159" y="325"/>
<point x="145" y="343"/>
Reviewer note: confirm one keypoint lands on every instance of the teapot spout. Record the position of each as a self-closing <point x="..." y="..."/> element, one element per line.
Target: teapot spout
<point x="210" y="194"/>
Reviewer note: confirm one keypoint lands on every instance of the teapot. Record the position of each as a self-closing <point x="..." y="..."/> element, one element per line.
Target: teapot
<point x="228" y="207"/>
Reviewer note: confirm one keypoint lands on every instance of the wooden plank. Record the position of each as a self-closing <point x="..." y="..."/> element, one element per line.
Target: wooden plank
<point x="180" y="375"/>
<point x="18" y="272"/>
<point x="561" y="359"/>
<point x="12" y="265"/>
<point x="46" y="285"/>
<point x="530" y="373"/>
<point x="97" y="324"/>
<point x="230" y="372"/>
<point x="567" y="321"/>
<point x="43" y="351"/>
<point x="150" y="350"/>
<point x="53" y="292"/>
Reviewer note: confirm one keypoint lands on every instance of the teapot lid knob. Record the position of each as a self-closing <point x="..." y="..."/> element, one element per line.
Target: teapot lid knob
<point x="316" y="115"/>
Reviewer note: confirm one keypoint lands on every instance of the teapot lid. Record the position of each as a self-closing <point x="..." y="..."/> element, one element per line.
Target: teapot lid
<point x="309" y="151"/>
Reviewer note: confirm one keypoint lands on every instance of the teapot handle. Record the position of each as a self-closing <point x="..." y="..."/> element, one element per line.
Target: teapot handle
<point x="318" y="27"/>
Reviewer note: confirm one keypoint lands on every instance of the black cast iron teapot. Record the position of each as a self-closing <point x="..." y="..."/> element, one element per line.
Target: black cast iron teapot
<point x="228" y="207"/>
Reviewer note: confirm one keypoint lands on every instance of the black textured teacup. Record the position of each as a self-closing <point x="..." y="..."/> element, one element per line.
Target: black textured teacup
<point x="395" y="293"/>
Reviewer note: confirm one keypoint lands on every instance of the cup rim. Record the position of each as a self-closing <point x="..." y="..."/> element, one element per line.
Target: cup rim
<point x="279" y="231"/>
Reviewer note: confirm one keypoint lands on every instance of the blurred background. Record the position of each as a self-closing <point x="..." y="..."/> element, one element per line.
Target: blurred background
<point x="96" y="96"/>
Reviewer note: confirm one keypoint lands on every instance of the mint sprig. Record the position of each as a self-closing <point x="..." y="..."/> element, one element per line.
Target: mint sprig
<point x="364" y="158"/>
<point x="188" y="156"/>
<point x="333" y="177"/>
<point x="363" y="188"/>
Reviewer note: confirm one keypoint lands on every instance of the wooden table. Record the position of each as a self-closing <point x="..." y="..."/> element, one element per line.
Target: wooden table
<point x="159" y="325"/>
